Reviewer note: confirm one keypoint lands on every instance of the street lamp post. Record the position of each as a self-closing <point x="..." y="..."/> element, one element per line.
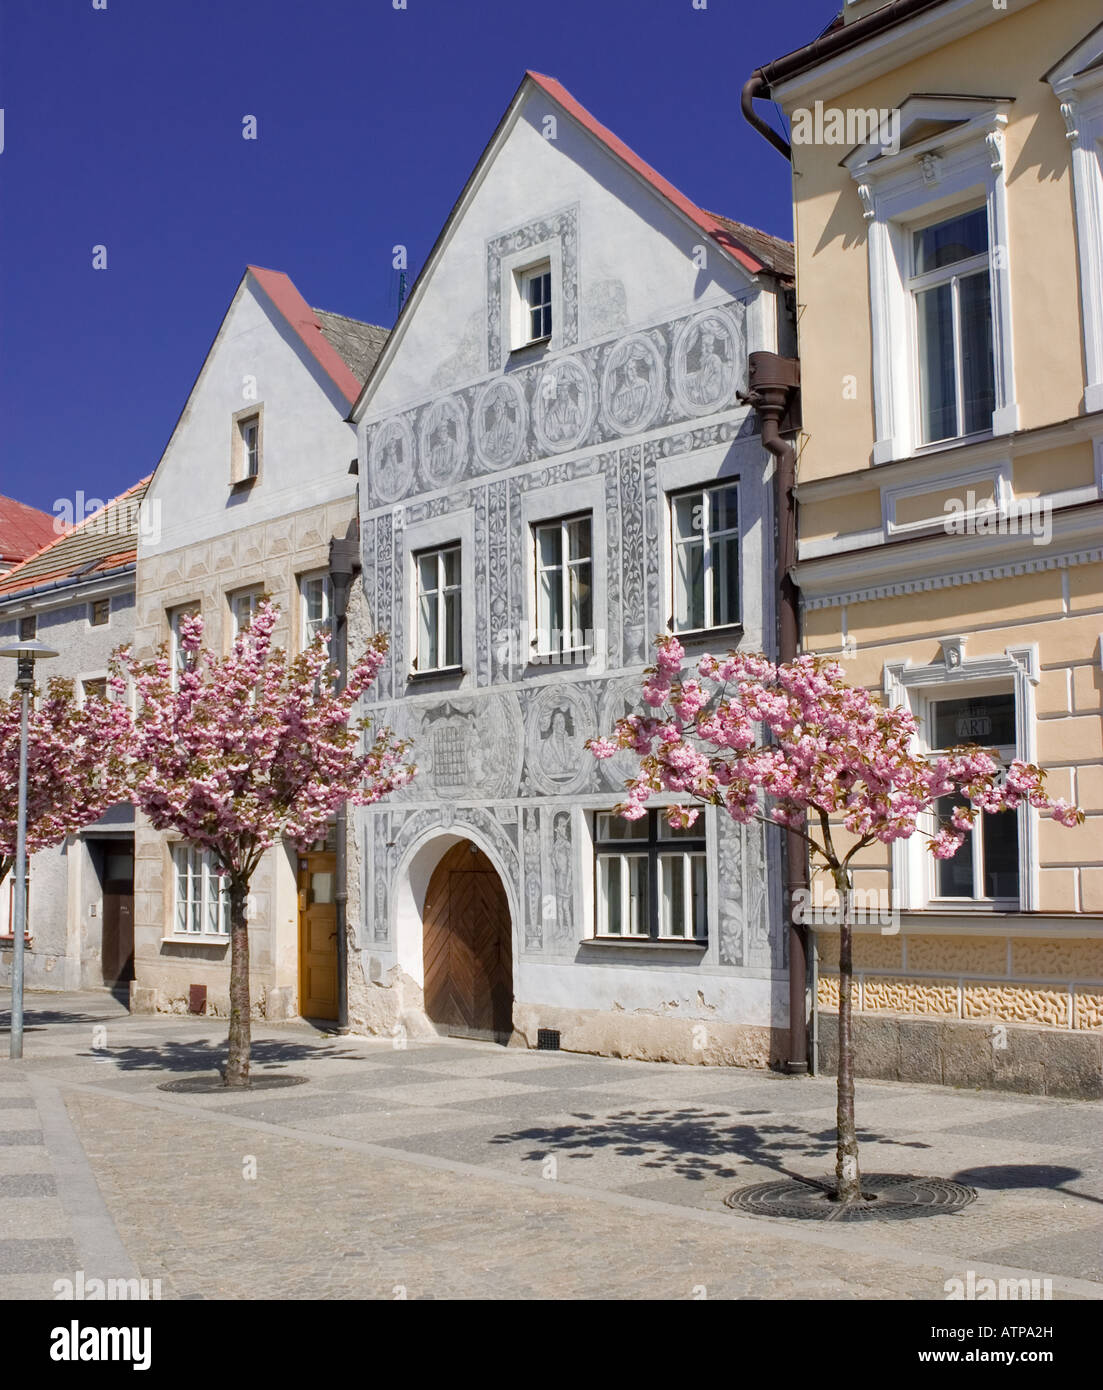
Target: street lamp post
<point x="26" y="653"/>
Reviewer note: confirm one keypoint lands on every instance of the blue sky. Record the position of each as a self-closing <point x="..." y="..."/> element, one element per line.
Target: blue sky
<point x="123" y="128"/>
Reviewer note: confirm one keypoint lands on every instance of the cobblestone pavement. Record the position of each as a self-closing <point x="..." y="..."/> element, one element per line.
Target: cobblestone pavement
<point x="461" y="1169"/>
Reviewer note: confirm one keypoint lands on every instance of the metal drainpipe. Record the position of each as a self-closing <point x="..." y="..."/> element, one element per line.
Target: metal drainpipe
<point x="343" y="562"/>
<point x="774" y="383"/>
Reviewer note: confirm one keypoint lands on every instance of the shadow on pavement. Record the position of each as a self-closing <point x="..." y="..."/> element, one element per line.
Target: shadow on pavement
<point x="202" y="1055"/>
<point x="1008" y="1177"/>
<point x="691" y="1141"/>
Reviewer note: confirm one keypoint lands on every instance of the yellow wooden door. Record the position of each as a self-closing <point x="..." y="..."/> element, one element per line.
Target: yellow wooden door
<point x="318" y="935"/>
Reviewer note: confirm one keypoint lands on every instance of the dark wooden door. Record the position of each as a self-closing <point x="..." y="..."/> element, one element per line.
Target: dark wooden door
<point x="468" y="946"/>
<point x="117" y="936"/>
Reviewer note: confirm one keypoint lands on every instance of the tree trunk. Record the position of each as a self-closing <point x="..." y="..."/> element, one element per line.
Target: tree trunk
<point x="847" y="1174"/>
<point x="237" y="1063"/>
<point x="6" y="866"/>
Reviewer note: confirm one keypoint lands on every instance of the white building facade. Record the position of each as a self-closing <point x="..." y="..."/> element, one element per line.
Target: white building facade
<point x="555" y="466"/>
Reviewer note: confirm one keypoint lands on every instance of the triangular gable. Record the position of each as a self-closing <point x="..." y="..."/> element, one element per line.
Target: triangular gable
<point x="722" y="232"/>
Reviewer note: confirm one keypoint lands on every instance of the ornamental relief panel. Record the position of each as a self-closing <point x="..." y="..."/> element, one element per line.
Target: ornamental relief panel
<point x="609" y="391"/>
<point x="463" y="747"/>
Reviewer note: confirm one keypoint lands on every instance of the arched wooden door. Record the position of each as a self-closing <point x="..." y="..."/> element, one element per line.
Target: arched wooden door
<point x="468" y="947"/>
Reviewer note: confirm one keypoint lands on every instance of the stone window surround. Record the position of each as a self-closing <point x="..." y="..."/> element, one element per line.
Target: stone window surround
<point x="552" y="238"/>
<point x="898" y="192"/>
<point x="409" y="540"/>
<point x="170" y="936"/>
<point x="570" y="498"/>
<point x="1080" y="95"/>
<point x="913" y="687"/>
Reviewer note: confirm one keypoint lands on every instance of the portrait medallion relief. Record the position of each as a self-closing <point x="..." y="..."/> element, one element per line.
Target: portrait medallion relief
<point x="564" y="406"/>
<point x="709" y="362"/>
<point x="442" y="442"/>
<point x="560" y="721"/>
<point x="500" y="421"/>
<point x="632" y="385"/>
<point x="392" y="460"/>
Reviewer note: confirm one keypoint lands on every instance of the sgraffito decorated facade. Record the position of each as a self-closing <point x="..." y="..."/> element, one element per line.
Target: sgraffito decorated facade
<point x="555" y="425"/>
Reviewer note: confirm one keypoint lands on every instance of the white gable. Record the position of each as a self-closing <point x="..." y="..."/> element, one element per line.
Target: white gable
<point x="257" y="358"/>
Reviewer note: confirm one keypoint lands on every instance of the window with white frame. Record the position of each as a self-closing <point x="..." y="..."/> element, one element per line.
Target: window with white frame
<point x="177" y="655"/>
<point x="704" y="524"/>
<point x="950" y="285"/>
<point x="564" y="588"/>
<point x="986" y="867"/>
<point x="939" y="258"/>
<point x="534" y="287"/>
<point x="202" y="903"/>
<point x="316" y="598"/>
<point x="438" y="609"/>
<point x="243" y="609"/>
<point x="246" y="446"/>
<point x="650" y="878"/>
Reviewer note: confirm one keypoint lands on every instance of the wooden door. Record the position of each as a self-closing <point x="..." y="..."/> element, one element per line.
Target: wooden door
<point x="117" y="933"/>
<point x="468" y="946"/>
<point x="318" y="935"/>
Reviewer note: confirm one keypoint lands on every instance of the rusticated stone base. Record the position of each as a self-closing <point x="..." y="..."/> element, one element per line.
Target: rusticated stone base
<point x="270" y="1005"/>
<point x="651" y="1038"/>
<point x="955" y="1052"/>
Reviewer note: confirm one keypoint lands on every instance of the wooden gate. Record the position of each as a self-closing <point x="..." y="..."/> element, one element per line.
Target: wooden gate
<point x="468" y="947"/>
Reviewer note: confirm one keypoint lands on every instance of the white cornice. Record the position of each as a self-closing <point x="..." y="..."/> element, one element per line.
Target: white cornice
<point x="922" y="565"/>
<point x="891" y="49"/>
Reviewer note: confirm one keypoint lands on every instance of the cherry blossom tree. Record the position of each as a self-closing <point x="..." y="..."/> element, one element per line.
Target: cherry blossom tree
<point x="77" y="765"/>
<point x="795" y="745"/>
<point x="242" y="752"/>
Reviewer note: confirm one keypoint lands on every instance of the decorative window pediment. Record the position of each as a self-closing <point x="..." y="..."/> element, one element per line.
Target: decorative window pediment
<point x="944" y="162"/>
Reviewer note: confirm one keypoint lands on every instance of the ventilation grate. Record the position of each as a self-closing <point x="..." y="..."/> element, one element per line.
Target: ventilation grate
<point x="547" y="1039"/>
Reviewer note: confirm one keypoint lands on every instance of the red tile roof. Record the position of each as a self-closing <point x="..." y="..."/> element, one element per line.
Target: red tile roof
<point x="720" y="229"/>
<point x="282" y="292"/>
<point x="100" y="542"/>
<point x="23" y="530"/>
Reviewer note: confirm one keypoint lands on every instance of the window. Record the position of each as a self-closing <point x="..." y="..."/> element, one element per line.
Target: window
<point x="316" y="595"/>
<point x="951" y="287"/>
<point x="243" y="608"/>
<point x="438" y="609"/>
<point x="986" y="867"/>
<point x="564" y="588"/>
<point x="705" y="556"/>
<point x="95" y="689"/>
<point x="246" y="446"/>
<point x="651" y="878"/>
<point x="28" y="629"/>
<point x="176" y="651"/>
<point x="202" y="906"/>
<point x="535" y="285"/>
<point x="9" y="927"/>
<point x="99" y="612"/>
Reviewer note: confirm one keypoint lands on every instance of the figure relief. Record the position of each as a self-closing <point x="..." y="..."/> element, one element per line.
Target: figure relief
<point x="392" y="460"/>
<point x="632" y="384"/>
<point x="499" y="424"/>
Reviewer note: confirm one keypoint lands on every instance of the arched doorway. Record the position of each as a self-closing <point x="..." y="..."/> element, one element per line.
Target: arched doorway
<point x="468" y="947"/>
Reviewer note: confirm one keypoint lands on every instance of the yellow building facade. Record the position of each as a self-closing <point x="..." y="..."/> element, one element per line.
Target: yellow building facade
<point x="948" y="206"/>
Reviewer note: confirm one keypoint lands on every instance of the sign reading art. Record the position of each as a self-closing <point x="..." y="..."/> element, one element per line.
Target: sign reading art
<point x="709" y="361"/>
<point x="564" y="406"/>
<point x="392" y="460"/>
<point x="443" y="441"/>
<point x="632" y="384"/>
<point x="500" y="421"/>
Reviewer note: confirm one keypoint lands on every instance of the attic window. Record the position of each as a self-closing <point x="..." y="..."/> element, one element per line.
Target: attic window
<point x="246" y="446"/>
<point x="532" y="304"/>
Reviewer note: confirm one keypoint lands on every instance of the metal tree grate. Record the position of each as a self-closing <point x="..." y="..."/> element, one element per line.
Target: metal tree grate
<point x="199" y="1084"/>
<point x="886" y="1197"/>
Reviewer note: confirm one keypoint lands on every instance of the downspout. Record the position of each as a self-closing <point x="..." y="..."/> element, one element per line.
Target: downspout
<point x="344" y="558"/>
<point x="756" y="86"/>
<point x="774" y="394"/>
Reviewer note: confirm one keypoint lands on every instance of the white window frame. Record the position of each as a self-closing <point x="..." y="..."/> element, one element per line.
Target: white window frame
<point x="545" y="648"/>
<point x="513" y="267"/>
<point x="956" y="677"/>
<point x="307" y="630"/>
<point x="423" y="663"/>
<point x="658" y="844"/>
<point x="246" y="464"/>
<point x="523" y="279"/>
<point x="238" y="601"/>
<point x="1080" y="94"/>
<point x="924" y="182"/>
<point x="701" y="489"/>
<point x="175" y="616"/>
<point x="539" y="506"/>
<point x="932" y="279"/>
<point x="198" y="867"/>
